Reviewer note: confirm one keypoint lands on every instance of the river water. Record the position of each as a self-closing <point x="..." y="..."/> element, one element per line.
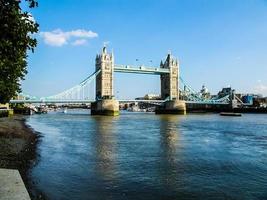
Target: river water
<point x="148" y="156"/>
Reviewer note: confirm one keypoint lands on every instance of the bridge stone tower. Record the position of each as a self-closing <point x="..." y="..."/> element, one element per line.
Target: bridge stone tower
<point x="105" y="103"/>
<point x="169" y="82"/>
<point x="104" y="80"/>
<point x="170" y="88"/>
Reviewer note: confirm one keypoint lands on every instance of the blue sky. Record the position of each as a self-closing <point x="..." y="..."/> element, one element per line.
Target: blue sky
<point x="218" y="43"/>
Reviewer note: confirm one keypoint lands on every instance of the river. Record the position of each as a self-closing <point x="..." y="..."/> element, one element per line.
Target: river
<point x="148" y="156"/>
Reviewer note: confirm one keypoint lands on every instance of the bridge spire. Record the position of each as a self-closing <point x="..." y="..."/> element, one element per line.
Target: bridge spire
<point x="104" y="50"/>
<point x="161" y="64"/>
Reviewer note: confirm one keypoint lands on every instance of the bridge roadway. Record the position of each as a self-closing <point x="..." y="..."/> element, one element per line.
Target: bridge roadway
<point x="71" y="101"/>
<point x="78" y="101"/>
<point x="140" y="70"/>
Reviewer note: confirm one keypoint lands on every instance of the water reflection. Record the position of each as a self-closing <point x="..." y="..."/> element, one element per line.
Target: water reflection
<point x="169" y="143"/>
<point x="146" y="156"/>
<point x="105" y="146"/>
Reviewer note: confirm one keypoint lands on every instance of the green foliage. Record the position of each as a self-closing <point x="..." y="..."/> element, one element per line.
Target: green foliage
<point x="16" y="38"/>
<point x="17" y="106"/>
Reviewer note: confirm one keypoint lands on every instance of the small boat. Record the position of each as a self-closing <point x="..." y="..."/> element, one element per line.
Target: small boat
<point x="65" y="110"/>
<point x="230" y="114"/>
<point x="41" y="110"/>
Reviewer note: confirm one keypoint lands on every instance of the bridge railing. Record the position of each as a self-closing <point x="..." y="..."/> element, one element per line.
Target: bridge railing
<point x="140" y="69"/>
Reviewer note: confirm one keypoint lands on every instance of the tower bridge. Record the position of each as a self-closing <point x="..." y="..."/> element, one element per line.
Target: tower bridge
<point x="107" y="105"/>
<point x="104" y="102"/>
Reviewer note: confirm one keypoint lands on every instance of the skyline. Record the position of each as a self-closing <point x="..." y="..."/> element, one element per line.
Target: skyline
<point x="215" y="42"/>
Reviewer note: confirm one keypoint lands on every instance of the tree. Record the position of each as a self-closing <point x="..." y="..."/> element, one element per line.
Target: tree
<point x="16" y="40"/>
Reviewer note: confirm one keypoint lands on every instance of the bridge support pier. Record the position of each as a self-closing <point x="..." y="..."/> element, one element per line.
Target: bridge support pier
<point x="170" y="88"/>
<point x="172" y="107"/>
<point x="108" y="107"/>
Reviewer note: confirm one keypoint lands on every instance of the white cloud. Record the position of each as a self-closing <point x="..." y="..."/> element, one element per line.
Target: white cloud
<point x="79" y="42"/>
<point x="31" y="18"/>
<point x="54" y="38"/>
<point x="59" y="38"/>
<point x="82" y="33"/>
<point x="105" y="43"/>
<point x="261" y="89"/>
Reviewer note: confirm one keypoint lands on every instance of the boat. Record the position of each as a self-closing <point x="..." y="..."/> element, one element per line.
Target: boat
<point x="231" y="114"/>
<point x="136" y="109"/>
<point x="41" y="110"/>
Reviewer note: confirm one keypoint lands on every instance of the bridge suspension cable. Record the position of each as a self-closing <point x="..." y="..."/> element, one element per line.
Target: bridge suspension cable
<point x="77" y="92"/>
<point x="191" y="96"/>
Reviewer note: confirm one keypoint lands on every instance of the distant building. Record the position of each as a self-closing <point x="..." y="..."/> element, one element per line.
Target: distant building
<point x="4" y="106"/>
<point x="225" y="91"/>
<point x="152" y="96"/>
<point x="247" y="98"/>
<point x="149" y="97"/>
<point x="260" y="101"/>
<point x="204" y="92"/>
<point x="20" y="97"/>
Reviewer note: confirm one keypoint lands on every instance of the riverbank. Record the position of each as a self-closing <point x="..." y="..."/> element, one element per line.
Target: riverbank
<point x="18" y="144"/>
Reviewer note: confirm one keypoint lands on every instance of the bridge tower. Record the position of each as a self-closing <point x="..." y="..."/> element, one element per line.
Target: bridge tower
<point x="104" y="80"/>
<point x="105" y="103"/>
<point x="169" y="82"/>
<point x="170" y="88"/>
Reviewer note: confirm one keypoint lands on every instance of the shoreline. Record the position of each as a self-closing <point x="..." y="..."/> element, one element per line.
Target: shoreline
<point x="19" y="150"/>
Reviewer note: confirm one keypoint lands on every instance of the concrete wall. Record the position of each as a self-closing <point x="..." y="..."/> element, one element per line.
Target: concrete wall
<point x="171" y="107"/>
<point x="105" y="107"/>
<point x="4" y="106"/>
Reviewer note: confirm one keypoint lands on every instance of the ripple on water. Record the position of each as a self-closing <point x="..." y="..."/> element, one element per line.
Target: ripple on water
<point x="147" y="156"/>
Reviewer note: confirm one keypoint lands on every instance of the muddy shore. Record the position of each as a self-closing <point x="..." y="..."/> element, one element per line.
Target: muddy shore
<point x="18" y="144"/>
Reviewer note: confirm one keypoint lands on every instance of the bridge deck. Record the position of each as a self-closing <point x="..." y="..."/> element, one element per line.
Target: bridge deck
<point x="140" y="69"/>
<point x="73" y="101"/>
